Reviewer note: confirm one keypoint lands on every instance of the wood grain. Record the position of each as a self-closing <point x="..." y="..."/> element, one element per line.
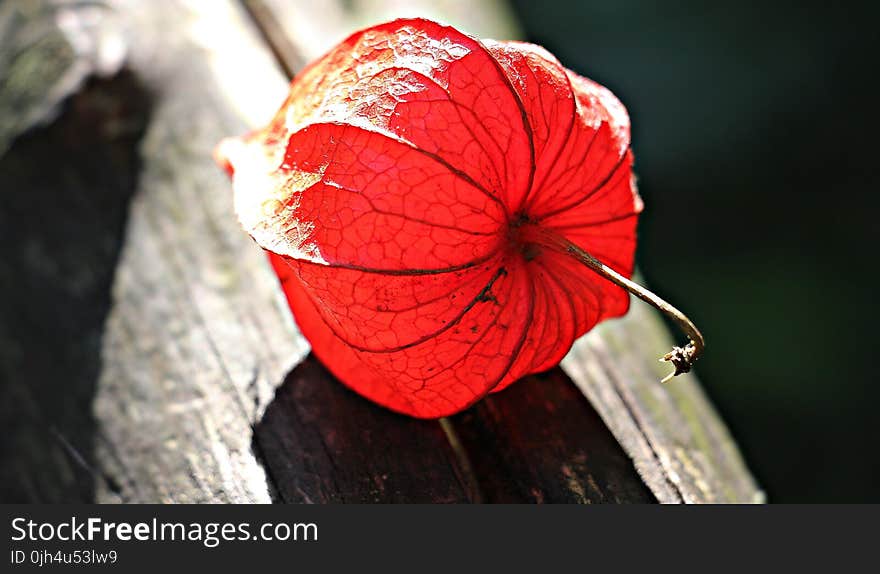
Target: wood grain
<point x="541" y="441"/>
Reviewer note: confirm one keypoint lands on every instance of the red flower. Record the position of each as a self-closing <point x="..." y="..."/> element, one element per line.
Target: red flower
<point x="405" y="192"/>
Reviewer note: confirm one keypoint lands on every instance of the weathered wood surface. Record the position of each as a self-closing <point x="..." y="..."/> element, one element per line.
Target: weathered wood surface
<point x="541" y="441"/>
<point x="143" y="334"/>
<point x="196" y="336"/>
<point x="676" y="440"/>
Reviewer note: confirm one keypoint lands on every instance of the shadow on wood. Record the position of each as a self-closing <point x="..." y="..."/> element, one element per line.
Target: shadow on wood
<point x="538" y="441"/>
<point x="541" y="441"/>
<point x="320" y="442"/>
<point x="66" y="189"/>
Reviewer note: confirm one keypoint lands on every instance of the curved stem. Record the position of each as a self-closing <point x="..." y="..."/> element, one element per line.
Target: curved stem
<point x="682" y="358"/>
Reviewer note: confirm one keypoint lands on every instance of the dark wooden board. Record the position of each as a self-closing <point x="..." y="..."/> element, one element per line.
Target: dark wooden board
<point x="320" y="442"/>
<point x="541" y="441"/>
<point x="65" y="192"/>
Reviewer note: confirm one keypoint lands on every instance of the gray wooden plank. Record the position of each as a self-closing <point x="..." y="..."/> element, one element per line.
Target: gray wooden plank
<point x="198" y="335"/>
<point x="677" y="441"/>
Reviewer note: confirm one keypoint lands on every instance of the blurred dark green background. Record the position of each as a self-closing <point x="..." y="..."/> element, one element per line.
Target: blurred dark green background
<point x="755" y="137"/>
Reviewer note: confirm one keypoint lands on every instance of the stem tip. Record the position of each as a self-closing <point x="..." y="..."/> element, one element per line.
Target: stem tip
<point x="682" y="358"/>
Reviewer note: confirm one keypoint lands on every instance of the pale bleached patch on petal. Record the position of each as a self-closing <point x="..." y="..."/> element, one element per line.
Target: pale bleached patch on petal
<point x="266" y="199"/>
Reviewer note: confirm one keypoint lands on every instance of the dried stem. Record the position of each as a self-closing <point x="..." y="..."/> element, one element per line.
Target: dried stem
<point x="682" y="358"/>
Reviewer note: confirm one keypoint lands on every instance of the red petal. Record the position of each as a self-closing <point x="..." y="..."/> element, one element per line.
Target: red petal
<point x="382" y="204"/>
<point x="542" y="86"/>
<point x="428" y="84"/>
<point x="583" y="189"/>
<point x="429" y="378"/>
